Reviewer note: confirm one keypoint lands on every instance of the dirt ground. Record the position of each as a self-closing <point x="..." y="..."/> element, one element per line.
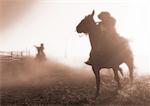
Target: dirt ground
<point x="26" y="82"/>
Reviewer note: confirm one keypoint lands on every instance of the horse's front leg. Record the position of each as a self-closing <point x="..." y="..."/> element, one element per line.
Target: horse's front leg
<point x="97" y="76"/>
<point x="117" y="77"/>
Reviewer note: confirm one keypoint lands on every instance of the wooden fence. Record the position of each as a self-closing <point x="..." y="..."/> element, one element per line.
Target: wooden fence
<point x="13" y="55"/>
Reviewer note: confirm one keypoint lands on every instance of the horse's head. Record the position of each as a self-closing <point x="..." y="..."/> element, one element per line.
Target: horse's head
<point x="86" y="24"/>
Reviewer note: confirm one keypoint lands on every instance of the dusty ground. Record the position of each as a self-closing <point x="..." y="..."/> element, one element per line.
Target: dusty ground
<point x="27" y="82"/>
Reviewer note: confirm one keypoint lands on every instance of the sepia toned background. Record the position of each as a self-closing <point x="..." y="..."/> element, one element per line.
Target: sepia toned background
<point x="64" y="79"/>
<point x="25" y="23"/>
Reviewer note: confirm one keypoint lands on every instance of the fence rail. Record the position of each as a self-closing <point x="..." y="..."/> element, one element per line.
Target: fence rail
<point x="13" y="55"/>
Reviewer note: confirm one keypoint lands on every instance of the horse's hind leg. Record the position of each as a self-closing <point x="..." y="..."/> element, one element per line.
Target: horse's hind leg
<point x="96" y="72"/>
<point x="130" y="65"/>
<point x="117" y="77"/>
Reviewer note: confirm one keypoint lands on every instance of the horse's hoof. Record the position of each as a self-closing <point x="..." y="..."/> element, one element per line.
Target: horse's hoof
<point x="96" y="95"/>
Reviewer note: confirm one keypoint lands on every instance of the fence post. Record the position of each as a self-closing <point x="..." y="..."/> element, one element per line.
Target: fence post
<point x="21" y="54"/>
<point x="11" y="53"/>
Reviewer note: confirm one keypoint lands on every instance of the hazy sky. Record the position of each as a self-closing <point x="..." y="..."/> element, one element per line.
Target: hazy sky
<point x="53" y="23"/>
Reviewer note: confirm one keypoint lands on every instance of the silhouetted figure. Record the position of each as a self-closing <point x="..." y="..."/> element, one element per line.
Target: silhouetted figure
<point x="107" y="23"/>
<point x="107" y="28"/>
<point x="40" y="56"/>
<point x="105" y="52"/>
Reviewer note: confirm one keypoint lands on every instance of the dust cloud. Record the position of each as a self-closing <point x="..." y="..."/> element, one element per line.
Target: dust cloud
<point x="29" y="72"/>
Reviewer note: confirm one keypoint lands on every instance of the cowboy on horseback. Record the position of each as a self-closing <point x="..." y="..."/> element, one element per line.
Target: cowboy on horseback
<point x="108" y="49"/>
<point x="40" y="56"/>
<point x="107" y="28"/>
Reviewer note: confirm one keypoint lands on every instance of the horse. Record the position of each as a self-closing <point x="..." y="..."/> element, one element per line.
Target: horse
<point x="98" y="58"/>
